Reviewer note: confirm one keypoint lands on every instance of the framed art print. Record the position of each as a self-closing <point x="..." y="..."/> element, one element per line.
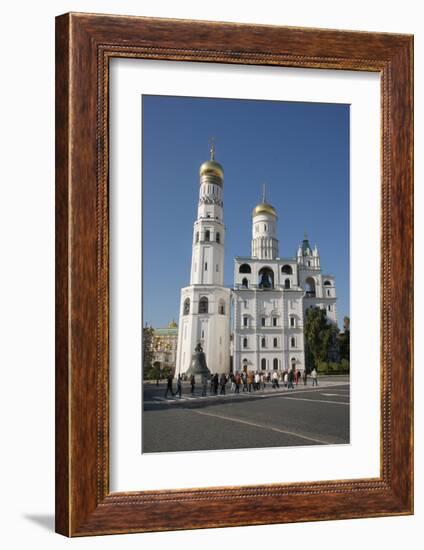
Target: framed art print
<point x="233" y="274"/>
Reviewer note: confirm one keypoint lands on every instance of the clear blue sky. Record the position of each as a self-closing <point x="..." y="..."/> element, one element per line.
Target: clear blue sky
<point x="301" y="151"/>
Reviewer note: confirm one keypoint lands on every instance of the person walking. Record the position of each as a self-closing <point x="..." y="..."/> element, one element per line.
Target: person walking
<point x="314" y="376"/>
<point x="237" y="382"/>
<point x="179" y="385"/>
<point x="222" y="383"/>
<point x="305" y="378"/>
<point x="275" y="383"/>
<point x="257" y="381"/>
<point x="244" y="380"/>
<point x="291" y="379"/>
<point x="204" y="386"/>
<point x="169" y="386"/>
<point x="192" y="383"/>
<point x="285" y="378"/>
<point x="233" y="384"/>
<point x="250" y="380"/>
<point x="215" y="383"/>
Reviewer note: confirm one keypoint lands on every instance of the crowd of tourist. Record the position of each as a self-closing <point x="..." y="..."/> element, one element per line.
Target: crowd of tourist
<point x="239" y="382"/>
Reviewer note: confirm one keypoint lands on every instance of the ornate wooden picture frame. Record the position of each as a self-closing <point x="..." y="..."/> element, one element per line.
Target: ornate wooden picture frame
<point x="84" y="45"/>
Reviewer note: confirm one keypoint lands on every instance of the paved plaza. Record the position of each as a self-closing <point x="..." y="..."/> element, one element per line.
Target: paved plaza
<point x="264" y="418"/>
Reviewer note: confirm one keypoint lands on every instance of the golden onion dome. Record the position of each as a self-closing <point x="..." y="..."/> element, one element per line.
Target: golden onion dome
<point x="212" y="167"/>
<point x="172" y="324"/>
<point x="264" y="208"/>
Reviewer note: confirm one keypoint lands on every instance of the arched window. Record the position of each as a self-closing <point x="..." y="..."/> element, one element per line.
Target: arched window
<point x="293" y="363"/>
<point x="245" y="268"/>
<point x="207" y="235"/>
<point x="287" y="283"/>
<point x="292" y="321"/>
<point x="197" y="236"/>
<point x="245" y="342"/>
<point x="287" y="269"/>
<point x="203" y="305"/>
<point x="263" y="321"/>
<point x="263" y="343"/>
<point x="245" y="283"/>
<point x="263" y="363"/>
<point x="310" y="287"/>
<point x="275" y="343"/>
<point x="218" y="237"/>
<point x="275" y="363"/>
<point x="221" y="307"/>
<point x="329" y="308"/>
<point x="327" y="283"/>
<point x="186" y="309"/>
<point x="245" y="321"/>
<point x="266" y="278"/>
<point x="293" y="342"/>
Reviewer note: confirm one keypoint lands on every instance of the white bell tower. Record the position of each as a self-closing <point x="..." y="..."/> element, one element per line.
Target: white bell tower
<point x="205" y="303"/>
<point x="264" y="231"/>
<point x="207" y="263"/>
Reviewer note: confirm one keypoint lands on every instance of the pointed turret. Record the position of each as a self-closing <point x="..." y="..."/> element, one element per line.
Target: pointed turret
<point x="306" y="247"/>
<point x="306" y="256"/>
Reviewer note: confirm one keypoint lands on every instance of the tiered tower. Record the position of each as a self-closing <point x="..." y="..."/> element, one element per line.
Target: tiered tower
<point x="268" y="312"/>
<point x="205" y="303"/>
<point x="320" y="289"/>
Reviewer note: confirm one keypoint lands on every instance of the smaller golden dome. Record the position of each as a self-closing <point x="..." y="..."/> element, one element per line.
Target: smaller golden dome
<point x="172" y="324"/>
<point x="212" y="167"/>
<point x="263" y="208"/>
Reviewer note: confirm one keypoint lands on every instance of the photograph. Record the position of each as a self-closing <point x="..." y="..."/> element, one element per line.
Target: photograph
<point x="245" y="278"/>
<point x="208" y="274"/>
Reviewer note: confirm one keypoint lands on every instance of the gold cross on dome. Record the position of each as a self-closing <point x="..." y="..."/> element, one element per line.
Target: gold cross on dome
<point x="212" y="148"/>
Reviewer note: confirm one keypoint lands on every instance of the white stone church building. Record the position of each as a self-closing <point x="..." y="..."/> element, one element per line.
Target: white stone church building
<point x="263" y="314"/>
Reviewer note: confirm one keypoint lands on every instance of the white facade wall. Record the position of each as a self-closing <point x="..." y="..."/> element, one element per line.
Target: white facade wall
<point x="211" y="329"/>
<point x="275" y="317"/>
<point x="265" y="316"/>
<point x="320" y="290"/>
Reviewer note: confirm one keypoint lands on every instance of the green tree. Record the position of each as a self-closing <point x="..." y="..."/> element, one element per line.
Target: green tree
<point x="319" y="334"/>
<point x="148" y="337"/>
<point x="344" y="340"/>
